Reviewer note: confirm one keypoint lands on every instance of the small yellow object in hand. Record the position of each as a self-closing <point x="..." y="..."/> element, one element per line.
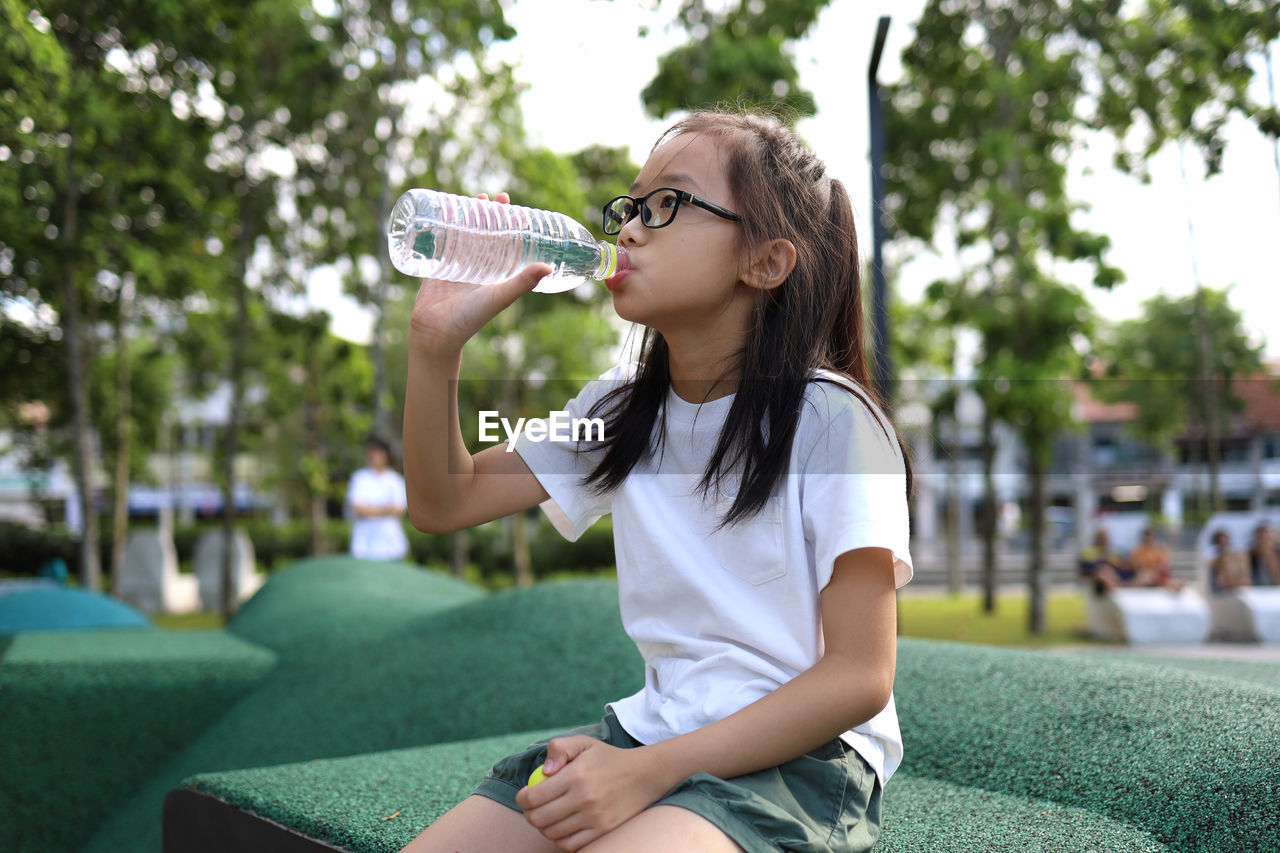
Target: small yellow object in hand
<point x="536" y="776"/>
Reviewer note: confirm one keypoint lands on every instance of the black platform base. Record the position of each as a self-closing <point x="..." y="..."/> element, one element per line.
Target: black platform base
<point x="198" y="823"/>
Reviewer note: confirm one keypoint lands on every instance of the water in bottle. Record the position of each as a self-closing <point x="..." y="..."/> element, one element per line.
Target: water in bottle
<point x="455" y="238"/>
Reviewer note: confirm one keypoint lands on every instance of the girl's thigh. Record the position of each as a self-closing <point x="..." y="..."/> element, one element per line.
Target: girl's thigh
<point x="665" y="828"/>
<point x="480" y="825"/>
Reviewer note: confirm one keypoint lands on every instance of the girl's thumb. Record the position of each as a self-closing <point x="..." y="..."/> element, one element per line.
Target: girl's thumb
<point x="523" y="282"/>
<point x="562" y="750"/>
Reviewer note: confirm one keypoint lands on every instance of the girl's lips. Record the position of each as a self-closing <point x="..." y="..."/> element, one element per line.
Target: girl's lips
<point x="624" y="267"/>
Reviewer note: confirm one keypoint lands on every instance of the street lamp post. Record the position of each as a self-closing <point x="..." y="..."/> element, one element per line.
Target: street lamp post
<point x="879" y="288"/>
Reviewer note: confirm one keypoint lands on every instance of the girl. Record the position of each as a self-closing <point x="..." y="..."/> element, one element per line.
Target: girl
<point x="759" y="500"/>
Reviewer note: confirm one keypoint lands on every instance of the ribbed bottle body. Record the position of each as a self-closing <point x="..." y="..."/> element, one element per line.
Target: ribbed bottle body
<point x="456" y="238"/>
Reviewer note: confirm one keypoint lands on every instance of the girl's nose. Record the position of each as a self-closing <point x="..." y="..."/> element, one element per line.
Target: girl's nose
<point x="632" y="232"/>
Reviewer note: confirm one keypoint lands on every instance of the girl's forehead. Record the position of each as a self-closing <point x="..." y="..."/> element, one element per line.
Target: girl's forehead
<point x="690" y="161"/>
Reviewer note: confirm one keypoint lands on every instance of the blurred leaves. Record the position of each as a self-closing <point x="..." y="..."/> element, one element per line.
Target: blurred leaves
<point x="738" y="53"/>
<point x="1153" y="361"/>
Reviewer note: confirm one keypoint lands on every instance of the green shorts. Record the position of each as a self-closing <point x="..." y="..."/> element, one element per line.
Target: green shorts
<point x="827" y="800"/>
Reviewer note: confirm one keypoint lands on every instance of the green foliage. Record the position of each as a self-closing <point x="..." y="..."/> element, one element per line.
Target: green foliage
<point x="738" y="54"/>
<point x="603" y="173"/>
<point x="1154" y="362"/>
<point x="313" y="418"/>
<point x="23" y="550"/>
<point x="535" y="355"/>
<point x="151" y="376"/>
<point x="1177" y="69"/>
<point x="34" y="362"/>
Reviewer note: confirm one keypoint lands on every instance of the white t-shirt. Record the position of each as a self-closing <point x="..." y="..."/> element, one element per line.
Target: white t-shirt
<point x="379" y="538"/>
<point x="723" y="618"/>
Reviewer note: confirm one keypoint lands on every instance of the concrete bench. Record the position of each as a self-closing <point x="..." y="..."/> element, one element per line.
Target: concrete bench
<point x="1138" y="615"/>
<point x="245" y="579"/>
<point x="149" y="578"/>
<point x="1250" y="614"/>
<point x="1147" y="616"/>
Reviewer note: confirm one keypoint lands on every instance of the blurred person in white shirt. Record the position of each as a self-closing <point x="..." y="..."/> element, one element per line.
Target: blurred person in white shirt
<point x="376" y="501"/>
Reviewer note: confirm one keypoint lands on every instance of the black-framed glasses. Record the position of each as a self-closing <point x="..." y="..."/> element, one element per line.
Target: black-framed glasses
<point x="657" y="209"/>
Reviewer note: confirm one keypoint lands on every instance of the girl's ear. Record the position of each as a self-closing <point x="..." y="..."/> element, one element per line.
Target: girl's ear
<point x="770" y="265"/>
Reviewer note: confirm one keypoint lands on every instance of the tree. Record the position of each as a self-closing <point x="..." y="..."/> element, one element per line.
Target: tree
<point x="276" y="86"/>
<point x="996" y="96"/>
<point x="534" y="355"/>
<point x="978" y="131"/>
<point x="1150" y="363"/>
<point x="737" y="53"/>
<point x="312" y="417"/>
<point x="75" y="79"/>
<point x="130" y="390"/>
<point x="420" y="99"/>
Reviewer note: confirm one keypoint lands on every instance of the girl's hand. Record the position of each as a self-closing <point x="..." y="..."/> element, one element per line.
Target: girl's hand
<point x="447" y="314"/>
<point x="591" y="789"/>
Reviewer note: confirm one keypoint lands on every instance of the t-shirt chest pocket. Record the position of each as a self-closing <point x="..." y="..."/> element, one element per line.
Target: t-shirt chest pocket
<point x="752" y="550"/>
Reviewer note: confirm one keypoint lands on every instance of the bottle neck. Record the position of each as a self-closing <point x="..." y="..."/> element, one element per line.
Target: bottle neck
<point x="613" y="260"/>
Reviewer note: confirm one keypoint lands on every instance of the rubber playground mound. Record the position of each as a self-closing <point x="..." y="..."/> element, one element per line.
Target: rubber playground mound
<point x="353" y="702"/>
<point x="374" y="657"/>
<point x="45" y="606"/>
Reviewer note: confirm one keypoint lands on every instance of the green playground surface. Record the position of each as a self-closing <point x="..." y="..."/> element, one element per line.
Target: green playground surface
<point x="353" y="702"/>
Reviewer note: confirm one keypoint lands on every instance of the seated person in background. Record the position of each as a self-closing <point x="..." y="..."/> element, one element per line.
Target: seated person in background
<point x="1229" y="569"/>
<point x="1105" y="567"/>
<point x="1151" y="565"/>
<point x="1264" y="558"/>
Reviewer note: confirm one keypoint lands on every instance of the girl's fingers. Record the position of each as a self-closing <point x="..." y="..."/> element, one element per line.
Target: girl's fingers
<point x="525" y="280"/>
<point x="562" y="750"/>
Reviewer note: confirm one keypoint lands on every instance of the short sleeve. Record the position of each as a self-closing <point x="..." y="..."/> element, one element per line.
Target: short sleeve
<point x="555" y="458"/>
<point x="853" y="490"/>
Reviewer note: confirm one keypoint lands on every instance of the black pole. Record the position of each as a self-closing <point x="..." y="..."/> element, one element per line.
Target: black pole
<point x="881" y="364"/>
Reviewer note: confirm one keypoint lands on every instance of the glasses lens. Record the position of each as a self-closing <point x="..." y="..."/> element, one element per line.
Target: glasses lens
<point x="617" y="213"/>
<point x="659" y="207"/>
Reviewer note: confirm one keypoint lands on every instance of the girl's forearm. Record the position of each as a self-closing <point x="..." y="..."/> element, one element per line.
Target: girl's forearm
<point x="818" y="705"/>
<point x="435" y="455"/>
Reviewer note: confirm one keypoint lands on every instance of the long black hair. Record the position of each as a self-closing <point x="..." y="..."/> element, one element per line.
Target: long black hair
<point x="814" y="320"/>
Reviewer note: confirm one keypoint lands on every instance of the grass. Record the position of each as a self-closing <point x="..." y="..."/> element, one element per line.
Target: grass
<point x="931" y="617"/>
<point x="188" y="621"/>
<point x="960" y="618"/>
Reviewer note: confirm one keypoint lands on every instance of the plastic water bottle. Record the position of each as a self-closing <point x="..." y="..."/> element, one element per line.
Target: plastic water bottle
<point x="456" y="238"/>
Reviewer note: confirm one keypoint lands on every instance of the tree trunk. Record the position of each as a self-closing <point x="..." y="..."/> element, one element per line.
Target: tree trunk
<point x="1035" y="571"/>
<point x="124" y="437"/>
<point x="377" y="352"/>
<point x="231" y="438"/>
<point x="989" y="566"/>
<point x="461" y="554"/>
<point x="1209" y="394"/>
<point x="82" y="461"/>
<point x="955" y="568"/>
<point x="520" y="550"/>
<point x="317" y="517"/>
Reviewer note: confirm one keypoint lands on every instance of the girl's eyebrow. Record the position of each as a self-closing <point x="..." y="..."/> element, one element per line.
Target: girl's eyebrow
<point x="675" y="179"/>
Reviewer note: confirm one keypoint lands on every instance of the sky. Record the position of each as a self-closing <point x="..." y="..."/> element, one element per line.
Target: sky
<point x="571" y="103"/>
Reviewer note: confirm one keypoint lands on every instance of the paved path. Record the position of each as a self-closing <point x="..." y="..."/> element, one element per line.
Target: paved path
<point x="1251" y="652"/>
